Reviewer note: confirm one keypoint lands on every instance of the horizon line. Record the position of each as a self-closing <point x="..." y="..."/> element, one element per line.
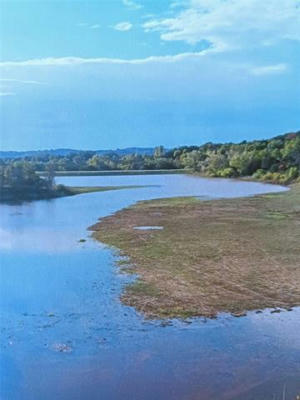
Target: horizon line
<point x="297" y="131"/>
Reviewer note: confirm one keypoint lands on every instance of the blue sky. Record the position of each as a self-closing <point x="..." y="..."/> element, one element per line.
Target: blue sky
<point x="105" y="74"/>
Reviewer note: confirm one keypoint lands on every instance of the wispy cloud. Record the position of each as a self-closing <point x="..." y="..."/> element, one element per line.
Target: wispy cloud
<point x="208" y="63"/>
<point x="231" y="24"/>
<point x="12" y="80"/>
<point x="64" y="61"/>
<point x="132" y="4"/>
<point x="269" y="69"/>
<point x="123" y="26"/>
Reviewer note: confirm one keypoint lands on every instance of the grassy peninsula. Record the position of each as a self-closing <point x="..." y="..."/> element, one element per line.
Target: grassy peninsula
<point x="227" y="255"/>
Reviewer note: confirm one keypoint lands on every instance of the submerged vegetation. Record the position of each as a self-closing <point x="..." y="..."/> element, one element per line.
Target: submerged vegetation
<point x="273" y="160"/>
<point x="227" y="255"/>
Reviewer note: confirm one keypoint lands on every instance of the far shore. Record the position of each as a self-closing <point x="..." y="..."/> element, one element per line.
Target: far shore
<point x="118" y="172"/>
<point x="226" y="255"/>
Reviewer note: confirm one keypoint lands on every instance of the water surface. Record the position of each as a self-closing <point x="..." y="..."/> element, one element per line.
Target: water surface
<point x="65" y="335"/>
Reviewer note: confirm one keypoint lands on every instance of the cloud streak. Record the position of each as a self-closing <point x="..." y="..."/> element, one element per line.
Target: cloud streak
<point x="269" y="69"/>
<point x="65" y="61"/>
<point x="123" y="26"/>
<point x="132" y="4"/>
<point x="12" y="80"/>
<point x="260" y="70"/>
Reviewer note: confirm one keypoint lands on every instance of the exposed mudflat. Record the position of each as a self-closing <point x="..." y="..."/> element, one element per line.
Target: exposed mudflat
<point x="226" y="255"/>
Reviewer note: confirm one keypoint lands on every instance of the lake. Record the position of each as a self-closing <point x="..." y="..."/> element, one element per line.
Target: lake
<point x="66" y="336"/>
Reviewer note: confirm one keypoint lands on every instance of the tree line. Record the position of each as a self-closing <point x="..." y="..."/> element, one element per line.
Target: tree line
<point x="275" y="160"/>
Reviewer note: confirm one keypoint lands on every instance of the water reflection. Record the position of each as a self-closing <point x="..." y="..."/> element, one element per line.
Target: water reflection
<point x="57" y="225"/>
<point x="57" y="293"/>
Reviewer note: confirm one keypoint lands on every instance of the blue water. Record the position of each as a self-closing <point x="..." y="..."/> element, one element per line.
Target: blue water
<point x="65" y="335"/>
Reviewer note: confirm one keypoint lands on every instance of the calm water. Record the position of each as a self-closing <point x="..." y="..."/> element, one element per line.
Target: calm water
<point x="65" y="335"/>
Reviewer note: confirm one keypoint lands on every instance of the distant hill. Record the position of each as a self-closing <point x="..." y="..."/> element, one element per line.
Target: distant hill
<point x="65" y="152"/>
<point x="37" y="153"/>
<point x="129" y="150"/>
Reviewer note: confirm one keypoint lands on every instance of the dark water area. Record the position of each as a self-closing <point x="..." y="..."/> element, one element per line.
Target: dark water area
<point x="65" y="335"/>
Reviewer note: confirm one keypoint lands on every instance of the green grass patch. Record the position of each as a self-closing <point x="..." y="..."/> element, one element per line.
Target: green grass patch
<point x="277" y="215"/>
<point x="73" y="190"/>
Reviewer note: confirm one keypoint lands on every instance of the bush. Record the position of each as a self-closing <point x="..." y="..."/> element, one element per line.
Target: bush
<point x="259" y="174"/>
<point x="227" y="173"/>
<point x="293" y="173"/>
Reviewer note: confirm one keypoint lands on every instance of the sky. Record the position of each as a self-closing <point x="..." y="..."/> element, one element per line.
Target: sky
<point x="101" y="74"/>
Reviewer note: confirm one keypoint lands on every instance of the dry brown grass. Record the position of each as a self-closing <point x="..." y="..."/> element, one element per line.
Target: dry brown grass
<point x="212" y="256"/>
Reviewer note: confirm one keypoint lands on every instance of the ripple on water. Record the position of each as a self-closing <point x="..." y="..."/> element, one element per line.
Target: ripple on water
<point x="66" y="335"/>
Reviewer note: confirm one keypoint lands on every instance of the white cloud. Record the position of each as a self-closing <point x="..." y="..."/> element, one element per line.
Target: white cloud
<point x="95" y="26"/>
<point x="269" y="69"/>
<point x="132" y="4"/>
<point x="123" y="26"/>
<point x="231" y="24"/>
<point x="62" y="61"/>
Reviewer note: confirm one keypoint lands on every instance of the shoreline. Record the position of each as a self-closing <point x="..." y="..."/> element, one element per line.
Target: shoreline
<point x="66" y="191"/>
<point x="168" y="172"/>
<point x="118" y="172"/>
<point x="203" y="262"/>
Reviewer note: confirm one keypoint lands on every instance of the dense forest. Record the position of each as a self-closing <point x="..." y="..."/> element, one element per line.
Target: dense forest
<point x="273" y="160"/>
